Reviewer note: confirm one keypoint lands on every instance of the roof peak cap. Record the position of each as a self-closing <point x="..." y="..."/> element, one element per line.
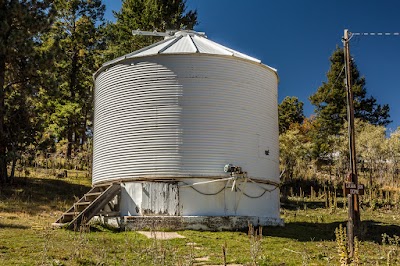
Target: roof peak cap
<point x="169" y="33"/>
<point x="190" y="33"/>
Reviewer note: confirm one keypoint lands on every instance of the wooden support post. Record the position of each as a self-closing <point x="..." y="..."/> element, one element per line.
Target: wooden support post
<point x="353" y="208"/>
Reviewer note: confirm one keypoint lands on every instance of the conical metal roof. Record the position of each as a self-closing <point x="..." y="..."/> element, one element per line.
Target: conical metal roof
<point x="184" y="42"/>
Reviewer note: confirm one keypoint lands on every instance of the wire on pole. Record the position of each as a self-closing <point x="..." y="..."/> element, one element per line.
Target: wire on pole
<point x="375" y="33"/>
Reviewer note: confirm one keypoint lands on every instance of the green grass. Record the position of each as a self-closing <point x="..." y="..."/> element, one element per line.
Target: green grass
<point x="30" y="205"/>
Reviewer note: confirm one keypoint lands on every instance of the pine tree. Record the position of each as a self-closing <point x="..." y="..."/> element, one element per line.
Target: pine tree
<point x="150" y="15"/>
<point x="21" y="22"/>
<point x="290" y="111"/>
<point x="330" y="99"/>
<point x="73" y="43"/>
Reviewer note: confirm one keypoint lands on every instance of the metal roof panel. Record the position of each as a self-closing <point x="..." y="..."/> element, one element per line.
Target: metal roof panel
<point x="183" y="46"/>
<point x="205" y="46"/>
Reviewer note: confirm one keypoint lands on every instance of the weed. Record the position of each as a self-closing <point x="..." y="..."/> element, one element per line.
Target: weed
<point x="391" y="245"/>
<point x="356" y="255"/>
<point x="255" y="237"/>
<point x="305" y="257"/>
<point x="224" y="253"/>
<point x="45" y="234"/>
<point x="341" y="241"/>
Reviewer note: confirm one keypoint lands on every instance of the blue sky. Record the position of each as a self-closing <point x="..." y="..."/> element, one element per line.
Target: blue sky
<point x="297" y="38"/>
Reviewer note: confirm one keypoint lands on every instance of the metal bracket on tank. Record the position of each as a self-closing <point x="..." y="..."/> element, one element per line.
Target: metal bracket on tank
<point x="236" y="173"/>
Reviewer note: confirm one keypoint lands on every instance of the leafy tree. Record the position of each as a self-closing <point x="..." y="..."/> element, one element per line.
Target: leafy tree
<point x="151" y="15"/>
<point x="393" y="151"/>
<point x="371" y="148"/>
<point x="21" y="22"/>
<point x="73" y="42"/>
<point x="290" y="111"/>
<point x="330" y="99"/>
<point x="295" y="147"/>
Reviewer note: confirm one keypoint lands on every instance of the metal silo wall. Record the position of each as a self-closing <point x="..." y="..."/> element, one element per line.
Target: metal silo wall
<point x="185" y="116"/>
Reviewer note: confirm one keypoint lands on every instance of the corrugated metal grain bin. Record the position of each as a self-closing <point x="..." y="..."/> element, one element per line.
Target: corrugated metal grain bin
<point x="169" y="117"/>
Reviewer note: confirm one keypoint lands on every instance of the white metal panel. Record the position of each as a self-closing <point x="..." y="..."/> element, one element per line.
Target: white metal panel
<point x="218" y="199"/>
<point x="216" y="48"/>
<point x="185" y="116"/>
<point x="150" y="199"/>
<point x="131" y="199"/>
<point x="204" y="46"/>
<point x="154" y="50"/>
<point x="182" y="46"/>
<point x="160" y="199"/>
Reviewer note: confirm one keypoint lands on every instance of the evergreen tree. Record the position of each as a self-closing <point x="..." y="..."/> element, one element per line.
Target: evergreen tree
<point x="150" y="15"/>
<point x="290" y="111"/>
<point x="73" y="43"/>
<point x="330" y="99"/>
<point x="21" y="22"/>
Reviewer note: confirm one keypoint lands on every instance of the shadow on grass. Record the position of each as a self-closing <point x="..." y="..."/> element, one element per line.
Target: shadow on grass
<point x="309" y="204"/>
<point x="300" y="204"/>
<point x="373" y="230"/>
<point x="34" y="195"/>
<point x="305" y="232"/>
<point x="13" y="226"/>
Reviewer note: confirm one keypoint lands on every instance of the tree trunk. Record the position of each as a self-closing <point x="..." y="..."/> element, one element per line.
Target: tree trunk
<point x="72" y="90"/>
<point x="3" y="144"/>
<point x="84" y="127"/>
<point x="69" y="139"/>
<point x="370" y="176"/>
<point x="14" y="163"/>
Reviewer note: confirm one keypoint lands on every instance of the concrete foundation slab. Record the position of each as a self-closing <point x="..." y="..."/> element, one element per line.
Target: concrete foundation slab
<point x="207" y="223"/>
<point x="160" y="235"/>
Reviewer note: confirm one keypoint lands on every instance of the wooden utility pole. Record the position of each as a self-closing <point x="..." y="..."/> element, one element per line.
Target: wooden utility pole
<point x="353" y="206"/>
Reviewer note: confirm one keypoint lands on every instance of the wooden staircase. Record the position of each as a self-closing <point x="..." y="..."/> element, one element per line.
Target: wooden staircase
<point x="88" y="206"/>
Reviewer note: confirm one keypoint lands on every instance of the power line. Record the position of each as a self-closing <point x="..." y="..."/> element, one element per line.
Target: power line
<point x="337" y="78"/>
<point x="375" y="33"/>
<point x="333" y="85"/>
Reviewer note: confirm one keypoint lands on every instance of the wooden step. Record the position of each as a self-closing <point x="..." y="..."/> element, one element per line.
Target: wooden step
<point x="68" y="218"/>
<point x="80" y="206"/>
<point x="100" y="188"/>
<point x="58" y="225"/>
<point x="83" y="203"/>
<point x="92" y="196"/>
<point x="103" y="185"/>
<point x="70" y="213"/>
